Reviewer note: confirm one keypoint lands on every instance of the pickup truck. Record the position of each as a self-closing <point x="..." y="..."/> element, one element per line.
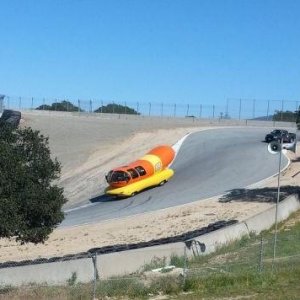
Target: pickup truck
<point x="278" y="134"/>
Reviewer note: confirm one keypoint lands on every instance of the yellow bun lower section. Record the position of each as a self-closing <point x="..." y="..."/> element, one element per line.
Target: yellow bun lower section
<point x="132" y="189"/>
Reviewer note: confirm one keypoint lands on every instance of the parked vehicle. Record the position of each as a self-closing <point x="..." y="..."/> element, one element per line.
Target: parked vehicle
<point x="280" y="134"/>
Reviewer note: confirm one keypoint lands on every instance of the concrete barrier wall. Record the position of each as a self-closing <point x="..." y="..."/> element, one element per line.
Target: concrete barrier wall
<point x="287" y="207"/>
<point x="126" y="262"/>
<point x="51" y="273"/>
<point x="266" y="219"/>
<point x="220" y="237"/>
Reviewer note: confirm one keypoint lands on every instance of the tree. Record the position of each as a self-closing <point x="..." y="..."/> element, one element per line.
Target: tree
<point x="286" y="116"/>
<point x="116" y="109"/>
<point x="30" y="204"/>
<point x="60" y="106"/>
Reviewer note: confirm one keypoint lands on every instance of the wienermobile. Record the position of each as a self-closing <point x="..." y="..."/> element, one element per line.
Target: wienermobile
<point x="148" y="171"/>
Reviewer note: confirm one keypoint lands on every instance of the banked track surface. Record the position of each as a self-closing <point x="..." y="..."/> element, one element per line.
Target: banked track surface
<point x="208" y="163"/>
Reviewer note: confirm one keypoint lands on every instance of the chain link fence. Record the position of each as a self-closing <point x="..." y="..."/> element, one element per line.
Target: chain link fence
<point x="253" y="108"/>
<point x="250" y="255"/>
<point x="232" y="109"/>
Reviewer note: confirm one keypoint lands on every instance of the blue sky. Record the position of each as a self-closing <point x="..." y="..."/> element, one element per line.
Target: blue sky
<point x="160" y="51"/>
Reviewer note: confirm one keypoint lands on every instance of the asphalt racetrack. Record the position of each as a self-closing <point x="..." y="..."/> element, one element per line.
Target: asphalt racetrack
<point x="208" y="163"/>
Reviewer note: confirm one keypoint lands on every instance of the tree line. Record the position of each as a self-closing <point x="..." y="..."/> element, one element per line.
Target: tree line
<point x="68" y="106"/>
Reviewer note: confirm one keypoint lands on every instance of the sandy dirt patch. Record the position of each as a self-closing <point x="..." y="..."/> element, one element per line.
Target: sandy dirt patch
<point x="143" y="227"/>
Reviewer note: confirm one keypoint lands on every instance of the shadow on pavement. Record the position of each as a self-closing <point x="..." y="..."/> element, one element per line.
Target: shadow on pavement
<point x="103" y="198"/>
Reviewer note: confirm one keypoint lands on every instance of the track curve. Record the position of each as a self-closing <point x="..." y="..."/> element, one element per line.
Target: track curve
<point x="208" y="163"/>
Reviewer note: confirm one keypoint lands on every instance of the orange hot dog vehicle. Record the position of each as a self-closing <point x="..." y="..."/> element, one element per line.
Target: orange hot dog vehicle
<point x="150" y="170"/>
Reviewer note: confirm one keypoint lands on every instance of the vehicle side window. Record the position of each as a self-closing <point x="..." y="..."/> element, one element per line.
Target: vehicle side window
<point x="133" y="173"/>
<point x="141" y="170"/>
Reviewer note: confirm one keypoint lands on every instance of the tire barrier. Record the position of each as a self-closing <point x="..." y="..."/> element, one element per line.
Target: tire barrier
<point x="123" y="247"/>
<point x="262" y="195"/>
<point x="10" y="117"/>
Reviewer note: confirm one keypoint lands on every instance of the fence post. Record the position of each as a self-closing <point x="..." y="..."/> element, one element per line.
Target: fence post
<point x="187" y="110"/>
<point x="185" y="265"/>
<point x="268" y="110"/>
<point x="91" y="106"/>
<point x="227" y="108"/>
<point x="96" y="276"/>
<point x="78" y="105"/>
<point x="200" y="111"/>
<point x="2" y="103"/>
<point x="174" y="110"/>
<point x="240" y="109"/>
<point x="149" y="109"/>
<point x="261" y="251"/>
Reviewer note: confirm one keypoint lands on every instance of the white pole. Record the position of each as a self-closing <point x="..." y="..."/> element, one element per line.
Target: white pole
<point x="277" y="203"/>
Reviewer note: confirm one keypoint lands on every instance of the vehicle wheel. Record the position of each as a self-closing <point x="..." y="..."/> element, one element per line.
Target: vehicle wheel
<point x="162" y="183"/>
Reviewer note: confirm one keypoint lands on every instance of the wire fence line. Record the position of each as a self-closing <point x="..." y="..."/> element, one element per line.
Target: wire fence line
<point x="233" y="108"/>
<point x="252" y="254"/>
<point x="259" y="107"/>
